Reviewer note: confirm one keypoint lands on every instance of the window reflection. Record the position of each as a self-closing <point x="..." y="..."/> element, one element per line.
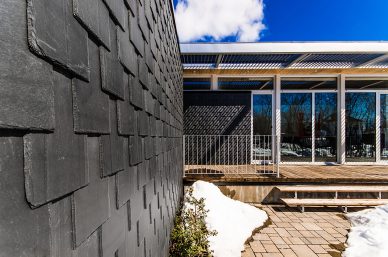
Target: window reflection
<point x="384" y="126"/>
<point x="296" y="127"/>
<point x="325" y="127"/>
<point x="262" y="125"/>
<point x="360" y="127"/>
<point x="262" y="114"/>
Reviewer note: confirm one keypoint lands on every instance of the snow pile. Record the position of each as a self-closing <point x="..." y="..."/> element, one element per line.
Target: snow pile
<point x="233" y="220"/>
<point x="369" y="233"/>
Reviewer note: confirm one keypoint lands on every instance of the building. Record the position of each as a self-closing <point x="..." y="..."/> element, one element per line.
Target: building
<point x="317" y="103"/>
<point x="90" y="127"/>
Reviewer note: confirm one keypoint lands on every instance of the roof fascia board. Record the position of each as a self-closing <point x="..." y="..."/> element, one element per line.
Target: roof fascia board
<point x="285" y="48"/>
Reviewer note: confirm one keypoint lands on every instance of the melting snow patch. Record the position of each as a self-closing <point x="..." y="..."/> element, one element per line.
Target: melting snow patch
<point x="233" y="220"/>
<point x="369" y="233"/>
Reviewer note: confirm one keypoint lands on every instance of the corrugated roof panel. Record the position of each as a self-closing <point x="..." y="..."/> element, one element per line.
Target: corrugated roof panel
<point x="256" y="61"/>
<point x="316" y="61"/>
<point x="379" y="64"/>
<point x="193" y="66"/>
<point x="199" y="58"/>
<point x="198" y="61"/>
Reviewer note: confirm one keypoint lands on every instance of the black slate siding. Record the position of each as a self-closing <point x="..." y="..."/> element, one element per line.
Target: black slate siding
<point x="91" y="124"/>
<point x="217" y="113"/>
<point x="212" y="114"/>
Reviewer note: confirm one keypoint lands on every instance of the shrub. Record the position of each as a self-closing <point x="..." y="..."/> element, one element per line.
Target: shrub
<point x="189" y="238"/>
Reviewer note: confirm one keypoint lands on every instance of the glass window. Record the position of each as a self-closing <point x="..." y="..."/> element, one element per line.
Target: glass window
<point x="262" y="127"/>
<point x="384" y="126"/>
<point x="296" y="127"/>
<point x="360" y="127"/>
<point x="325" y="127"/>
<point x="262" y="114"/>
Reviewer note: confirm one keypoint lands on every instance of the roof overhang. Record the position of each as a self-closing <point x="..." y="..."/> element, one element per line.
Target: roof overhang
<point x="285" y="55"/>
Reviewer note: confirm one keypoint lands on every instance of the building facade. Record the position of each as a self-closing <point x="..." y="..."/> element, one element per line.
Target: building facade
<point x="90" y="128"/>
<point x="319" y="103"/>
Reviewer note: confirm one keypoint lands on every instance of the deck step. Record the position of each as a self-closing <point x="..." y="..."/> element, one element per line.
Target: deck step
<point x="293" y="202"/>
<point x="333" y="189"/>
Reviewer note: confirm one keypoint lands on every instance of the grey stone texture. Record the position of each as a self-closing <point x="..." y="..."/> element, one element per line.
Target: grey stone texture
<point x="91" y="123"/>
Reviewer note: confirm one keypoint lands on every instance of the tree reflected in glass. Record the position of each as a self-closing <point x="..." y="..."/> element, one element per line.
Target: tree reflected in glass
<point x="296" y="127"/>
<point x="360" y="127"/>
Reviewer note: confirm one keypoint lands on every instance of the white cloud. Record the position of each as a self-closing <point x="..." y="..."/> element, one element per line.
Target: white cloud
<point x="218" y="19"/>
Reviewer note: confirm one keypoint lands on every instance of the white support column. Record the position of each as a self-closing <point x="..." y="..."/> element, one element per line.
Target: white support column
<point x="214" y="82"/>
<point x="341" y="125"/>
<point x="277" y="89"/>
<point x="378" y="129"/>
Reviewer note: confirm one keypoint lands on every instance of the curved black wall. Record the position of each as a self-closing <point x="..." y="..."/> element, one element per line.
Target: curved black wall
<point x="91" y="122"/>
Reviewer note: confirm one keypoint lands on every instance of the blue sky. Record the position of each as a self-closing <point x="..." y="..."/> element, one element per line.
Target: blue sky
<point x="284" y="20"/>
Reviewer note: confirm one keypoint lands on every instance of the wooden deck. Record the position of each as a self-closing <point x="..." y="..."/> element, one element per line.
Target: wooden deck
<point x="325" y="174"/>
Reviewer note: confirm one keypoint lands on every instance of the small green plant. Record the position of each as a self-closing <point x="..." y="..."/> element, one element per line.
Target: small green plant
<point x="190" y="236"/>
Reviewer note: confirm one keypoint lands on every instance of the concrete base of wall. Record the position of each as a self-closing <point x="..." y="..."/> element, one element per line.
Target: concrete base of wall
<point x="252" y="193"/>
<point x="268" y="194"/>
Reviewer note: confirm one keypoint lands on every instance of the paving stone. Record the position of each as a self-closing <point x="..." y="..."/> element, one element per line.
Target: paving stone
<point x="311" y="226"/>
<point x="248" y="253"/>
<point x="26" y="91"/>
<point x="302" y="251"/>
<point x="90" y="104"/>
<point x="112" y="146"/>
<point x="324" y="255"/>
<point x="288" y="253"/>
<point x="26" y="231"/>
<point x="57" y="37"/>
<point x="90" y="204"/>
<point x="277" y="240"/>
<point x="301" y="238"/>
<point x="316" y="240"/>
<point x="272" y="255"/>
<point x="93" y="14"/>
<point x="270" y="247"/>
<point x="257" y="247"/>
<point x="317" y="249"/>
<point x="55" y="163"/>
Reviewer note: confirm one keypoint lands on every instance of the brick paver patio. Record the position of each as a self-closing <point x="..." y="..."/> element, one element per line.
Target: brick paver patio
<point x="317" y="232"/>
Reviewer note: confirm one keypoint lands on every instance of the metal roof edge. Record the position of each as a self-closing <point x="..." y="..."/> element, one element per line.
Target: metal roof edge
<point x="285" y="47"/>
